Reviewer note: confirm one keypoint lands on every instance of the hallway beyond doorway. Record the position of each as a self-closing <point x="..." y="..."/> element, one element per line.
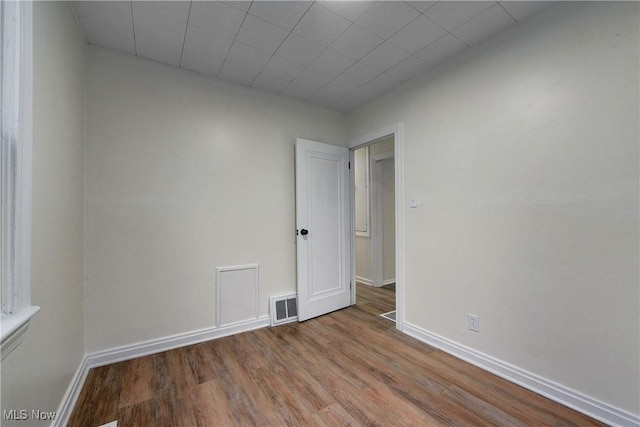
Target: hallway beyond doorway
<point x="376" y="300"/>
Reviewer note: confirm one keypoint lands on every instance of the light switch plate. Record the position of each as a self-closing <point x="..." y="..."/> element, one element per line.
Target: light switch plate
<point x="474" y="322"/>
<point x="413" y="201"/>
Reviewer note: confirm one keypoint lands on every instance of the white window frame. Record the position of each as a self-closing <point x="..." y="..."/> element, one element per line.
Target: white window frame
<point x="16" y="168"/>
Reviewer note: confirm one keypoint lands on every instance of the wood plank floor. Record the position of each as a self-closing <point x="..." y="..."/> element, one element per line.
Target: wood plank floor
<point x="350" y="367"/>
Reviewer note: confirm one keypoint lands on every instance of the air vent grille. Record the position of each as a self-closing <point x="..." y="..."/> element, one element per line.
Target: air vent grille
<point x="283" y="309"/>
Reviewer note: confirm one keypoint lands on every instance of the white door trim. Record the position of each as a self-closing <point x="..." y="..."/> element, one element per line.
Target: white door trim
<point x="396" y="130"/>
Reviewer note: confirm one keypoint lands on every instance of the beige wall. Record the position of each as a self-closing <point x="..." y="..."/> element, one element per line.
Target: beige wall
<point x="37" y="374"/>
<point x="184" y="174"/>
<point x="363" y="260"/>
<point x="524" y="157"/>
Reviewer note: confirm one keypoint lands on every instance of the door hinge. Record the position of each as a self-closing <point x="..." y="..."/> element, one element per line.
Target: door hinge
<point x="349" y="165"/>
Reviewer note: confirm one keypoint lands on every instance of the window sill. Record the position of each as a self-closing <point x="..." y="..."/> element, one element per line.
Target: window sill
<point x="14" y="327"/>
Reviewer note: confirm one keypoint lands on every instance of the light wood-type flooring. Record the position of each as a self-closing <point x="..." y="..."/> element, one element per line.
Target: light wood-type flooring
<point x="350" y="367"/>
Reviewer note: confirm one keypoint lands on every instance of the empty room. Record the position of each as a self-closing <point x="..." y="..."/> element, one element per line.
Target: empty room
<point x="320" y="213"/>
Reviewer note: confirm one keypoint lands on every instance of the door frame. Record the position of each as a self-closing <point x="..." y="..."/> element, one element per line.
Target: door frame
<point x="395" y="130"/>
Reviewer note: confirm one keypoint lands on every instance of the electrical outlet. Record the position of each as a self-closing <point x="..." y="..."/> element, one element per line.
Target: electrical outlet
<point x="474" y="323"/>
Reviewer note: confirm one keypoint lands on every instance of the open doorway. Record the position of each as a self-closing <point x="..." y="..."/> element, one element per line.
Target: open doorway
<point x="375" y="226"/>
<point x="375" y="213"/>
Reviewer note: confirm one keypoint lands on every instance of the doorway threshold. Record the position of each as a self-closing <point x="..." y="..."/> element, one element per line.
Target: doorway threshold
<point x="391" y="315"/>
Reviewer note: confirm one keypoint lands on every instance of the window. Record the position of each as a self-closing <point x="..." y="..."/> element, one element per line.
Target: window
<point x="15" y="172"/>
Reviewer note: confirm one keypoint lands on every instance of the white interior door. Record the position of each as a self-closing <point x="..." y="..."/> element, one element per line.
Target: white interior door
<point x="323" y="214"/>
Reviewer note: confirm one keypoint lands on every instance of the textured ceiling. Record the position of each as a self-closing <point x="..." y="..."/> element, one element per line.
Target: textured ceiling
<point x="334" y="54"/>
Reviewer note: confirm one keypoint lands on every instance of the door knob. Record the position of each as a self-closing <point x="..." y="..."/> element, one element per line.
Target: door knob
<point x="304" y="231"/>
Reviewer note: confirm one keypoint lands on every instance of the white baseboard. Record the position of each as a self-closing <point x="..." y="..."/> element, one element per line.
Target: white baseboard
<point x="364" y="280"/>
<point x="145" y="348"/>
<point x="71" y="396"/>
<point x="369" y="282"/>
<point x="554" y="391"/>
